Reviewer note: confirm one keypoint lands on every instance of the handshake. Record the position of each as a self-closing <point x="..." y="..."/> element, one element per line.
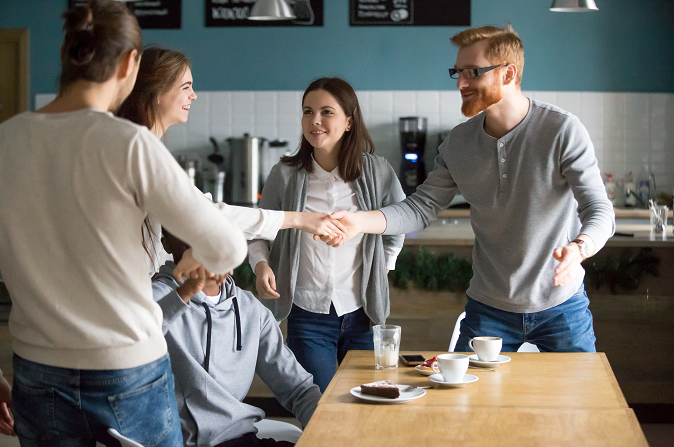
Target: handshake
<point x="333" y="229"/>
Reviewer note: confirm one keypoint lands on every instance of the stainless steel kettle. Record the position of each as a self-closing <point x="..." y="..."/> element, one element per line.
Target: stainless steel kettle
<point x="243" y="172"/>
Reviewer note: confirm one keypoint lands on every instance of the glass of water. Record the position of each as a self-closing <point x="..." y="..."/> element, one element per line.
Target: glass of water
<point x="659" y="219"/>
<point x="386" y="345"/>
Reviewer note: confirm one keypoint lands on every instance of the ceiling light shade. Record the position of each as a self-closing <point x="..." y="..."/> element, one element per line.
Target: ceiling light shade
<point x="573" y="6"/>
<point x="271" y="10"/>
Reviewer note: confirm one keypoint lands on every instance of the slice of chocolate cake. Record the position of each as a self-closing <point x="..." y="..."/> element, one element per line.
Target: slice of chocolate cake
<point x="383" y="388"/>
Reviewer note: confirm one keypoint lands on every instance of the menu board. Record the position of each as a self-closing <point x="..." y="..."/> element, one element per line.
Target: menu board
<point x="235" y="13"/>
<point x="151" y="14"/>
<point x="409" y="12"/>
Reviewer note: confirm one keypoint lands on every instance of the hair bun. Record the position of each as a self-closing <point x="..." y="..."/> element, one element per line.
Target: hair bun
<point x="82" y="49"/>
<point x="79" y="26"/>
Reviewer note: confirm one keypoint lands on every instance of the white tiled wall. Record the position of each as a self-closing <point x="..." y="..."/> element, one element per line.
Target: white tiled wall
<point x="630" y="131"/>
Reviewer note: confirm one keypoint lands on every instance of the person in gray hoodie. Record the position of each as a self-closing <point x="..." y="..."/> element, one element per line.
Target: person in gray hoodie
<point x="218" y="337"/>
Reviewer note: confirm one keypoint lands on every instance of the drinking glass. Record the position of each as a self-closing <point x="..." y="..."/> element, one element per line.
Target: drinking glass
<point x="386" y="345"/>
<point x="659" y="219"/>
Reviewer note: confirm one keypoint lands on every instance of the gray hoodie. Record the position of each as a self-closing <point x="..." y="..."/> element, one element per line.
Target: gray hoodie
<point x="244" y="339"/>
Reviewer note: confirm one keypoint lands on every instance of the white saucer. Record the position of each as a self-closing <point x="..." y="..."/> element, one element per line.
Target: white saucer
<point x="468" y="378"/>
<point x="405" y="396"/>
<point x="491" y="364"/>
<point x="425" y="372"/>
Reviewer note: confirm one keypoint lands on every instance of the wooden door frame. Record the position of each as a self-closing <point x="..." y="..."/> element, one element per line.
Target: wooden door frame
<point x="22" y="37"/>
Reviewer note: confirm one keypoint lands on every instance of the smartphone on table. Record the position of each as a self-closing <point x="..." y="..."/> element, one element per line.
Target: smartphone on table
<point x="412" y="359"/>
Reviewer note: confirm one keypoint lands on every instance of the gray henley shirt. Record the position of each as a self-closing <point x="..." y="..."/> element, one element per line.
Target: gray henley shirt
<point x="533" y="190"/>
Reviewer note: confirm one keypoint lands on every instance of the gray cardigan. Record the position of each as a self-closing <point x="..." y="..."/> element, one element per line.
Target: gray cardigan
<point x="286" y="189"/>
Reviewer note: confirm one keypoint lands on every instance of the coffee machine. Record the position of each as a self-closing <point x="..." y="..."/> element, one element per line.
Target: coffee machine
<point x="413" y="144"/>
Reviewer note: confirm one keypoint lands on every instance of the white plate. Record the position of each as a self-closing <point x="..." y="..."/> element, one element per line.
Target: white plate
<point x="425" y="372"/>
<point x="405" y="396"/>
<point x="492" y="364"/>
<point x="468" y="378"/>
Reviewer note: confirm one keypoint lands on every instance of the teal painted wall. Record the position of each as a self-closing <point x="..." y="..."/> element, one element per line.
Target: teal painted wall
<point x="628" y="46"/>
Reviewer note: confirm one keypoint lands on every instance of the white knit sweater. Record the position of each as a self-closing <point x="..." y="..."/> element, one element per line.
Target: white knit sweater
<point x="74" y="190"/>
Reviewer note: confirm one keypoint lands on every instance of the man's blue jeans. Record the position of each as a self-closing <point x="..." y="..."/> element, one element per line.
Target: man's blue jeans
<point x="70" y="407"/>
<point x="321" y="341"/>
<point x="566" y="327"/>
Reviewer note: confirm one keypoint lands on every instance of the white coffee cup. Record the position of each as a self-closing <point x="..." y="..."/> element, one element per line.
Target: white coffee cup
<point x="452" y="367"/>
<point x="486" y="348"/>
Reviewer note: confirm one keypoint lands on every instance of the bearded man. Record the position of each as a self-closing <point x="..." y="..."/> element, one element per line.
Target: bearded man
<point x="538" y="204"/>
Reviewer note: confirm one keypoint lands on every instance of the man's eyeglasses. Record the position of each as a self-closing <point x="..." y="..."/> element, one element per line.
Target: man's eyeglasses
<point x="472" y="73"/>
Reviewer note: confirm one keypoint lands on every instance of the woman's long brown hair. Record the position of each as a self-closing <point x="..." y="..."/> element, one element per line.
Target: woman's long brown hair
<point x="355" y="142"/>
<point x="159" y="70"/>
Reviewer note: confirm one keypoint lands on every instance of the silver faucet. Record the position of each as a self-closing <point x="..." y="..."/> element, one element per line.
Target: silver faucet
<point x="653" y="190"/>
<point x="629" y="192"/>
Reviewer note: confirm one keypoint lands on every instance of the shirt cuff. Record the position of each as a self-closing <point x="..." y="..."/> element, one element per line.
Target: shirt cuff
<point x="391" y="256"/>
<point x="257" y="251"/>
<point x="273" y="224"/>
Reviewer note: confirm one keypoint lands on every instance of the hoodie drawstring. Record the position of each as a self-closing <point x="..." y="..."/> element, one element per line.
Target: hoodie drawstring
<point x="207" y="360"/>
<point x="209" y="320"/>
<point x="238" y="323"/>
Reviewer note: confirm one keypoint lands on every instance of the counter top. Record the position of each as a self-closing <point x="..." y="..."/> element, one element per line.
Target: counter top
<point x="458" y="232"/>
<point x="620" y="213"/>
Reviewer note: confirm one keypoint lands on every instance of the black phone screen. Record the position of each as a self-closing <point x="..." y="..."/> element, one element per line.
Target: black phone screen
<point x="413" y="358"/>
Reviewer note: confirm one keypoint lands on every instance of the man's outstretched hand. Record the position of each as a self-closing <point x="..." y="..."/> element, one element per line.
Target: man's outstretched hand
<point x="569" y="258"/>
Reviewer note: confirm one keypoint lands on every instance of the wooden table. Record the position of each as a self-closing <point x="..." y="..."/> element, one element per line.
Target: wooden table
<point x="550" y="399"/>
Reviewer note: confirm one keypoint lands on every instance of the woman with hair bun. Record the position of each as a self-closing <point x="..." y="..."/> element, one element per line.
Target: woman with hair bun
<point x="77" y="183"/>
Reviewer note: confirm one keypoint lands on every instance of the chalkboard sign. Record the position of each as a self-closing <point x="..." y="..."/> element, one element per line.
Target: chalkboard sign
<point x="409" y="12"/>
<point x="236" y="12"/>
<point x="151" y="14"/>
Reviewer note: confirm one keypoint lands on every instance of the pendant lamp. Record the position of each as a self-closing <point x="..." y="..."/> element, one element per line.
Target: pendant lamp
<point x="573" y="6"/>
<point x="271" y="10"/>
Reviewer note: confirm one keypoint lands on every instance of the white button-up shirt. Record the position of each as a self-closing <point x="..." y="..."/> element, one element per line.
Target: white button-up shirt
<point x="327" y="274"/>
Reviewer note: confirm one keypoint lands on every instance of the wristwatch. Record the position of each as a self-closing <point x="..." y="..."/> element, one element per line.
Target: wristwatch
<point x="583" y="247"/>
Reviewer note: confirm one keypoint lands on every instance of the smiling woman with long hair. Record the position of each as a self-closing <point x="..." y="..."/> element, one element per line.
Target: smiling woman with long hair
<point x="164" y="75"/>
<point x="162" y="97"/>
<point x="331" y="296"/>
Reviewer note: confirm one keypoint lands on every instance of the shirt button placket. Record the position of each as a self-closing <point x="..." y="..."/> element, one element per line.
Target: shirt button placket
<point x="332" y="202"/>
<point x="502" y="167"/>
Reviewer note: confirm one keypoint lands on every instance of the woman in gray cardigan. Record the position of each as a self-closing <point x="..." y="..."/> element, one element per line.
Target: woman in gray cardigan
<point x="331" y="296"/>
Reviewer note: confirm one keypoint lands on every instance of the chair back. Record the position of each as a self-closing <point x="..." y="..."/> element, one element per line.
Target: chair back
<point x="455" y="334"/>
<point x="278" y="430"/>
<point x="126" y="442"/>
<point x="524" y="347"/>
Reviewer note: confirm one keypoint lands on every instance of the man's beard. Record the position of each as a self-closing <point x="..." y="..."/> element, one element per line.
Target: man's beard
<point x="123" y="93"/>
<point x="486" y="97"/>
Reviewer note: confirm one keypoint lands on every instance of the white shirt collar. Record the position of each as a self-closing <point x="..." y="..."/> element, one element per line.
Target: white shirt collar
<point x="321" y="173"/>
